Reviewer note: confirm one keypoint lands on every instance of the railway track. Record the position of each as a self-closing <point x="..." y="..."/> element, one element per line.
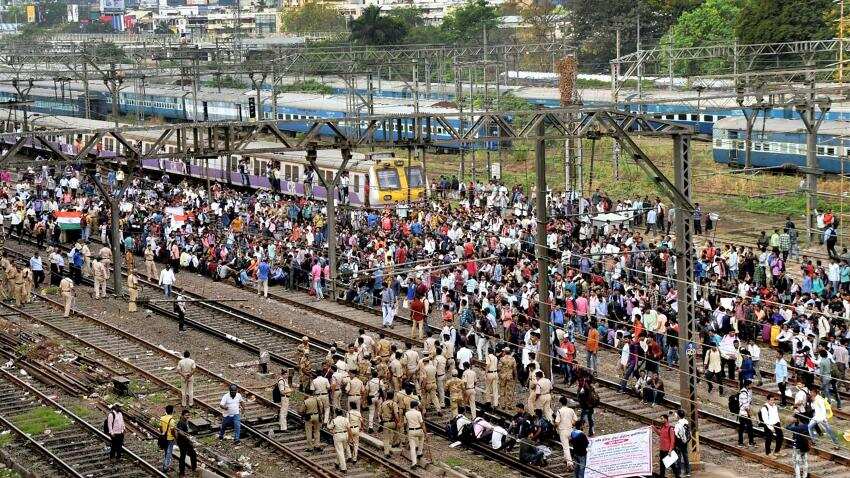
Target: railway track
<point x="156" y="364"/>
<point x="76" y="448"/>
<point x="716" y="430"/>
<point x="254" y="333"/>
<point x="76" y="380"/>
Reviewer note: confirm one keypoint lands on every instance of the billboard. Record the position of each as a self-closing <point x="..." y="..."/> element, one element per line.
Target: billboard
<point x="30" y="13"/>
<point x="112" y="6"/>
<point x="73" y="13"/>
<point x="620" y="455"/>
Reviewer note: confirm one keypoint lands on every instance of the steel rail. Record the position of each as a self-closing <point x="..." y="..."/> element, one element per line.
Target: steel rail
<point x="298" y="457"/>
<point x="44" y="399"/>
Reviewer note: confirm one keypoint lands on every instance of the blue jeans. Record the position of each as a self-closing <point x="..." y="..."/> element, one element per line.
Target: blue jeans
<point x="166" y="460"/>
<point x="235" y="421"/>
<point x="587" y="416"/>
<point x="672" y="356"/>
<point x="827" y="429"/>
<point x="591" y="361"/>
<point x="579" y="462"/>
<point x="630" y="371"/>
<point x="167" y="289"/>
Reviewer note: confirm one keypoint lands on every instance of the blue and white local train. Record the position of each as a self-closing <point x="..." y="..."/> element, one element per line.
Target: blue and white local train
<point x="780" y="143"/>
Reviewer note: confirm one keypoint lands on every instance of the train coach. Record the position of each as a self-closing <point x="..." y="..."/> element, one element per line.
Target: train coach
<point x="374" y="178"/>
<point x="780" y="143"/>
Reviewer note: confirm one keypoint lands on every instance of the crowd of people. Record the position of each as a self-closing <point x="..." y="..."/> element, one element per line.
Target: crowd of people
<point x="464" y="261"/>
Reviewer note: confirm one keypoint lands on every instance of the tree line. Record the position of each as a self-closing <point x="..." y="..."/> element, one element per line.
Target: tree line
<point x="590" y="25"/>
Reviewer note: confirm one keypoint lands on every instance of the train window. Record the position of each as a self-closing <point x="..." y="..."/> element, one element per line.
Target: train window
<point x="669" y="117"/>
<point x="820" y="150"/>
<point x="388" y="179"/>
<point x="709" y="118"/>
<point x="830" y="151"/>
<point x="694" y="117"/>
<point x="718" y="143"/>
<point x="766" y="147"/>
<point x="683" y="117"/>
<point x="355" y="184"/>
<point x="757" y="146"/>
<point x="414" y="177"/>
<point x="720" y="117"/>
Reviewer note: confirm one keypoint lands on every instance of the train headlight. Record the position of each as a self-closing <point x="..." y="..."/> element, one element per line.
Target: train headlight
<point x="421" y="194"/>
<point x="388" y="197"/>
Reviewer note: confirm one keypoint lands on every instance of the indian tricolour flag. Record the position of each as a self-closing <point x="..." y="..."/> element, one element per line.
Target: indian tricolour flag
<point x="68" y="220"/>
<point x="177" y="220"/>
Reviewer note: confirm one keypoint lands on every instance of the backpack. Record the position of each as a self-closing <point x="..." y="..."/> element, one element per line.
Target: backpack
<point x="593" y="397"/>
<point x="687" y="432"/>
<point x="734" y="403"/>
<point x="276" y="397"/>
<point x="106" y="423"/>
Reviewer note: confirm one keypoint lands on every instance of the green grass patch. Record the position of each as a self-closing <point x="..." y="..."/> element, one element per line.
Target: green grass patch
<point x="51" y="290"/>
<point x="157" y="398"/>
<point x="7" y="473"/>
<point x="5" y="439"/>
<point x="81" y="411"/>
<point x="37" y="420"/>
<point x="793" y="204"/>
<point x="453" y="462"/>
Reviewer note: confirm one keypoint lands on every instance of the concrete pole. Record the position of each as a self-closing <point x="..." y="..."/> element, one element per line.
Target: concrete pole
<point x="544" y="357"/>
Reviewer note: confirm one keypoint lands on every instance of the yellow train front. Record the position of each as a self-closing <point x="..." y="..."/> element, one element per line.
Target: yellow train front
<point x="394" y="180"/>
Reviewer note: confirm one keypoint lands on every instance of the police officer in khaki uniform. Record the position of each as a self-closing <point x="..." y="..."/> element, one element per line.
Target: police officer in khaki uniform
<point x="415" y="433"/>
<point x="320" y="388"/>
<point x="428" y="385"/>
<point x="383" y="348"/>
<point x="455" y="386"/>
<point x="27" y="276"/>
<point x="341" y="429"/>
<point x="285" y="392"/>
<point x="491" y="379"/>
<point x="396" y="371"/>
<point x="312" y="423"/>
<point x="355" y="423"/>
<point x="507" y="375"/>
<point x="66" y="286"/>
<point x="372" y="391"/>
<point x="106" y="258"/>
<point x="355" y="390"/>
<point x="132" y="290"/>
<point x="4" y="278"/>
<point x="390" y="422"/>
<point x="17" y="285"/>
<point x="150" y="265"/>
<point x="469" y="390"/>
<point x="441" y="365"/>
<point x="86" y="252"/>
<point x="339" y="382"/>
<point x="303" y="363"/>
<point x="99" y="272"/>
<point x="186" y="369"/>
<point x="543" y="395"/>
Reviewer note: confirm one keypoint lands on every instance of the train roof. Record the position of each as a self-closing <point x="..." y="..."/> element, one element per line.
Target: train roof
<point x="294" y="100"/>
<point x="325" y="158"/>
<point x="776" y="125"/>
